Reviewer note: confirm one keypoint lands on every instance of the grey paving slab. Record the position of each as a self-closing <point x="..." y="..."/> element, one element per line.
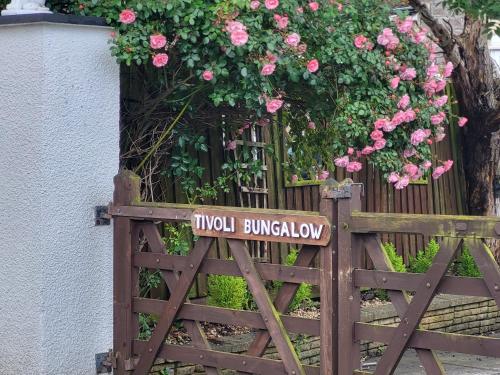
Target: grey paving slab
<point x="455" y="364"/>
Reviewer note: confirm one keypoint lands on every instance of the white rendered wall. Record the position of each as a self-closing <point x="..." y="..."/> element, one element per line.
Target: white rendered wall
<point x="59" y="147"/>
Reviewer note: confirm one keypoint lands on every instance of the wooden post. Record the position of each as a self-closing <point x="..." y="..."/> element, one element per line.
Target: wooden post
<point x="127" y="191"/>
<point x="349" y="297"/>
<point x="328" y="288"/>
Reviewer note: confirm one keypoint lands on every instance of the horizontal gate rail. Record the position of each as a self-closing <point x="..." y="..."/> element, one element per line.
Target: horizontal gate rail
<point x="290" y="274"/>
<point x="222" y="315"/>
<point x="461" y="286"/>
<point x="239" y="362"/>
<point x="428" y="225"/>
<point x="424" y="339"/>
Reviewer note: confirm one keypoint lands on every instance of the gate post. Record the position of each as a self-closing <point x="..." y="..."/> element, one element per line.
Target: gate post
<point x="340" y="301"/>
<point x="349" y="297"/>
<point x="127" y="191"/>
<point x="328" y="288"/>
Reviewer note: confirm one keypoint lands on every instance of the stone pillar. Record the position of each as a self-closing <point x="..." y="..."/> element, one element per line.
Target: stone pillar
<point x="59" y="150"/>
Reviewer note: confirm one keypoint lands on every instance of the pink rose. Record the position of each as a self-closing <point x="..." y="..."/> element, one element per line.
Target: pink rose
<point x="157" y="41"/>
<point x="293" y="39"/>
<point x="272" y="4"/>
<point x="432" y="70"/>
<point x="354" y="166"/>
<point x="405" y="26"/>
<point x="160" y="60"/>
<point x="379" y="144"/>
<point x="208" y="75"/>
<point x="419" y="37"/>
<point x="430" y="87"/>
<point x="231" y="145"/>
<point x="393" y="177"/>
<point x="384" y="38"/>
<point x="342" y="162"/>
<point x="340" y="6"/>
<point x="239" y="37"/>
<point x="299" y="10"/>
<point x="367" y="150"/>
<point x="395" y="82"/>
<point x="360" y="41"/>
<point x="410" y="169"/>
<point x="438" y="119"/>
<point x="281" y="21"/>
<point x="127" y="16"/>
<point x="404" y="102"/>
<point x="314" y="6"/>
<point x="273" y="105"/>
<point x="376" y="135"/>
<point x="389" y="127"/>
<point x="295" y="178"/>
<point x="268" y="69"/>
<point x="426" y="165"/>
<point x="438" y="172"/>
<point x="302" y="48"/>
<point x="417" y="137"/>
<point x="441" y="101"/>
<point x="440" y="85"/>
<point x="402" y="183"/>
<point x="409" y="74"/>
<point x="313" y="66"/>
<point x="448" y="70"/>
<point x="462" y="121"/>
<point x="254" y="5"/>
<point x="410" y="115"/>
<point x="323" y="175"/>
<point x="398" y="118"/>
<point x="447" y="165"/>
<point x="440" y="136"/>
<point x="380" y="123"/>
<point x="311" y="125"/>
<point x="232" y="26"/>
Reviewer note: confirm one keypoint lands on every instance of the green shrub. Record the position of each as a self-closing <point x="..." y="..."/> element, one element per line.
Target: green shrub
<point x="227" y="291"/>
<point x="466" y="266"/>
<point x="397" y="263"/>
<point x="423" y="261"/>
<point x="304" y="293"/>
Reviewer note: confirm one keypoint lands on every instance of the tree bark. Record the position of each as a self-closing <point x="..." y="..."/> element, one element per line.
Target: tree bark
<point x="477" y="86"/>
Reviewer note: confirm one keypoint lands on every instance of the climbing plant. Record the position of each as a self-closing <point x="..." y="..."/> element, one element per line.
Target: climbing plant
<point x="355" y="80"/>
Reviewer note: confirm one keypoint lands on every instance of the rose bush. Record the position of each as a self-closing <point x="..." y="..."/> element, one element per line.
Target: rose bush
<point x="366" y="80"/>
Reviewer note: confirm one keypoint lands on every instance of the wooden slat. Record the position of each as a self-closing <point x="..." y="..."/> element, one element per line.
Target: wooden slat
<point x="271" y="317"/>
<point x="212" y="314"/>
<point x="171" y="310"/>
<point x="284" y="297"/>
<point x="461" y="286"/>
<point x="429" y="225"/>
<point x="417" y="308"/>
<point x="423" y="339"/>
<point x="239" y="362"/>
<point x="291" y="274"/>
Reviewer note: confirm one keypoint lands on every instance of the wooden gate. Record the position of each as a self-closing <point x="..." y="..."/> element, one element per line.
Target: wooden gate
<point x="411" y="294"/>
<point x="340" y="234"/>
<point x="138" y="244"/>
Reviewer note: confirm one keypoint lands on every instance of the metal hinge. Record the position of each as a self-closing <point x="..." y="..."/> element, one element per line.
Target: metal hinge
<point x="105" y="362"/>
<point x="102" y="216"/>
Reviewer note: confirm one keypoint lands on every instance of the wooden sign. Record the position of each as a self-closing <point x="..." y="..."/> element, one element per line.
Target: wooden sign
<point x="299" y="229"/>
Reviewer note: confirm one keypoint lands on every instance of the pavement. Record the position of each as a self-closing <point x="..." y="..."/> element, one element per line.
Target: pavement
<point x="454" y="364"/>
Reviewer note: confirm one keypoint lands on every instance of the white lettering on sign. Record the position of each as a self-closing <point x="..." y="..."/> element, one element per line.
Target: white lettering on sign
<point x="259" y="227"/>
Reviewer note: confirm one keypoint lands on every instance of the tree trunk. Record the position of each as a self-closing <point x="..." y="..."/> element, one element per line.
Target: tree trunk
<point x="477" y="87"/>
<point x="481" y="156"/>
